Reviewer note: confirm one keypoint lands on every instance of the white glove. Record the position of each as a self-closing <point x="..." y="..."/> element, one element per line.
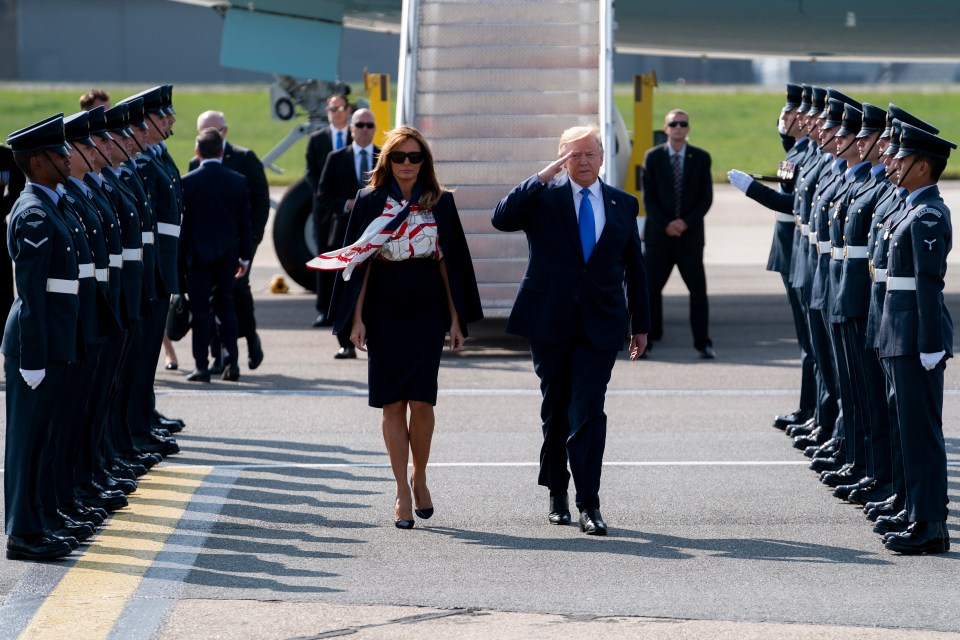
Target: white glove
<point x="739" y="179"/>
<point x="33" y="377"/>
<point x="930" y="360"/>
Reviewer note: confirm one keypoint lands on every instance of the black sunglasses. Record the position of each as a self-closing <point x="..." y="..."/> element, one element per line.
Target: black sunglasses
<point x="678" y="123"/>
<point x="364" y="125"/>
<point x="398" y="157"/>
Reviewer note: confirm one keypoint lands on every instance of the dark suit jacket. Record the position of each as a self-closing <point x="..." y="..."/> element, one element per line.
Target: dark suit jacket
<point x="658" y="197"/>
<point x="216" y="219"/>
<point x="456" y="255"/>
<point x="246" y="162"/>
<point x="558" y="286"/>
<point x="338" y="183"/>
<point x="319" y="146"/>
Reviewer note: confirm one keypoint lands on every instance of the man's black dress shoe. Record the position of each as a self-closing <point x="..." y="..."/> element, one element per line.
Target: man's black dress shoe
<point x="322" y="320"/>
<point x="231" y="373"/>
<point x="345" y="353"/>
<point x="254" y="352"/>
<point x="591" y="522"/>
<point x="797" y="417"/>
<point x="825" y="464"/>
<point x="891" y="524"/>
<point x="872" y="493"/>
<point x="152" y="443"/>
<point x="707" y="353"/>
<point x="800" y="428"/>
<point x="64" y="536"/>
<point x="173" y="425"/>
<point x="843" y="491"/>
<point x="199" y="375"/>
<point x="36" y="548"/>
<point x="920" y="537"/>
<point x="845" y="475"/>
<point x="559" y="509"/>
<point x="216" y="368"/>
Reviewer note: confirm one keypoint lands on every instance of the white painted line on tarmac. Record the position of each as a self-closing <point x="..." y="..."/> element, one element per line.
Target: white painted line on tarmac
<point x="480" y="392"/>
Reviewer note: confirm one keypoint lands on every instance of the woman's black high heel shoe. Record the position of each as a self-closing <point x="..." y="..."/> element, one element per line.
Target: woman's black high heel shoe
<point x="403" y="524"/>
<point x="424" y="514"/>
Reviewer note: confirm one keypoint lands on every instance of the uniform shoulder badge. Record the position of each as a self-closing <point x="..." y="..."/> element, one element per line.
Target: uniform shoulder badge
<point x="33" y="211"/>
<point x="69" y="198"/>
<point x="929" y="211"/>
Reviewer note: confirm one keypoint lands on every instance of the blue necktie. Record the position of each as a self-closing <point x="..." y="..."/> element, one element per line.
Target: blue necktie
<point x="588" y="230"/>
<point x="339" y="139"/>
<point x="364" y="166"/>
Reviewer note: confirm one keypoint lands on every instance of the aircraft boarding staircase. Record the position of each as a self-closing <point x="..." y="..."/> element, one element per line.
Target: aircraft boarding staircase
<point x="492" y="84"/>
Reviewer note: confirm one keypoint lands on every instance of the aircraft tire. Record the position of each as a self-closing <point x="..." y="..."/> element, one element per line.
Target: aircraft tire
<point x="293" y="237"/>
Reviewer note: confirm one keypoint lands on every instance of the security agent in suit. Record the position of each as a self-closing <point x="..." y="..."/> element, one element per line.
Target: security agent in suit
<point x="346" y="172"/>
<point x="330" y="138"/>
<point x="40" y="337"/>
<point x="217" y="247"/>
<point x="674" y="232"/>
<point x="781" y="247"/>
<point x="12" y="182"/>
<point x="916" y="338"/>
<point x="243" y="161"/>
<point x="571" y="306"/>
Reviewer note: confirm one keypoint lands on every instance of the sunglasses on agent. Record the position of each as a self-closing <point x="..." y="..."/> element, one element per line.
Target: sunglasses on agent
<point x="364" y="125"/>
<point x="678" y="123"/>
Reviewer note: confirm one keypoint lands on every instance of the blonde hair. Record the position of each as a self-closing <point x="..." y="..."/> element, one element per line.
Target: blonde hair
<point x="675" y="112"/>
<point x="577" y="133"/>
<point x="382" y="173"/>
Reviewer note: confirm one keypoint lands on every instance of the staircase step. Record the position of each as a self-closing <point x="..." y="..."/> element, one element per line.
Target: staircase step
<point x="505" y="272"/>
<point x="507" y="126"/>
<point x="454" y="80"/>
<point x="482" y="197"/>
<point x="496" y="34"/>
<point x="508" y="57"/>
<point x="493" y="149"/>
<point x="457" y="173"/>
<point x="520" y="103"/>
<point x="510" y="12"/>
<point x="498" y="246"/>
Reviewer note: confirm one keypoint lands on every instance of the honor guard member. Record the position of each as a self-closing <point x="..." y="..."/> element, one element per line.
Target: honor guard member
<point x="916" y="338"/>
<point x="142" y="182"/>
<point x="40" y="338"/>
<point x="781" y="248"/>
<point x="867" y="184"/>
<point x="12" y="182"/>
<point x="853" y="394"/>
<point x="814" y="271"/>
<point x="166" y="201"/>
<point x="891" y="502"/>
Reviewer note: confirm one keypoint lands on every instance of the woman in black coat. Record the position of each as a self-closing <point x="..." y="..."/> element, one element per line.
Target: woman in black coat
<point x="408" y="280"/>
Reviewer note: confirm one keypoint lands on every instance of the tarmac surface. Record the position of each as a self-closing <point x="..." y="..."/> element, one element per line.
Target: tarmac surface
<point x="275" y="520"/>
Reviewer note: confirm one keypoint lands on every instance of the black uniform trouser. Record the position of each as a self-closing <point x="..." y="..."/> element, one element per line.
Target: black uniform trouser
<point x="90" y="457"/>
<point x="661" y="254"/>
<point x="145" y="354"/>
<point x="573" y="381"/>
<point x="118" y="442"/>
<point x="852" y="400"/>
<point x="808" y="374"/>
<point x="919" y="396"/>
<point x="828" y="404"/>
<point x="866" y="373"/>
<point x="29" y="421"/>
<point x="899" y="483"/>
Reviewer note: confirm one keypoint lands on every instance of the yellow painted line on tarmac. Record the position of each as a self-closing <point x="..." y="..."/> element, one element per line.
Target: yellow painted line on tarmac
<point x="93" y="593"/>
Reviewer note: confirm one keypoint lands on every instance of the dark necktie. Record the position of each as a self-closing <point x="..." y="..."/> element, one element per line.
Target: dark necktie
<point x="588" y="229"/>
<point x="364" y="166"/>
<point x="677" y="185"/>
<point x="339" y="139"/>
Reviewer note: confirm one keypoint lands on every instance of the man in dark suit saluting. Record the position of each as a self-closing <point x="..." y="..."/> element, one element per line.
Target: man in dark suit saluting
<point x="345" y="172"/>
<point x="217" y="247"/>
<point x="572" y="307"/>
<point x="677" y="193"/>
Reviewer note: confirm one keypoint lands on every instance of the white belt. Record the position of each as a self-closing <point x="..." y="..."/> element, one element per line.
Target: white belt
<point x="147" y="237"/>
<point x="56" y="285"/>
<point x="86" y="270"/>
<point x="116" y="260"/>
<point x="901" y="283"/>
<point x="785" y="217"/>
<point x="879" y="275"/>
<point x="805" y="230"/>
<point x="812" y="239"/>
<point x="103" y="275"/>
<point x="836" y="253"/>
<point x="133" y="254"/>
<point x="166" y="229"/>
<point x="850" y="252"/>
<point x="823" y="246"/>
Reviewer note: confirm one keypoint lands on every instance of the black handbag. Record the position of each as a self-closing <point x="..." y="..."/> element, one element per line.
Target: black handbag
<point x="178" y="317"/>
